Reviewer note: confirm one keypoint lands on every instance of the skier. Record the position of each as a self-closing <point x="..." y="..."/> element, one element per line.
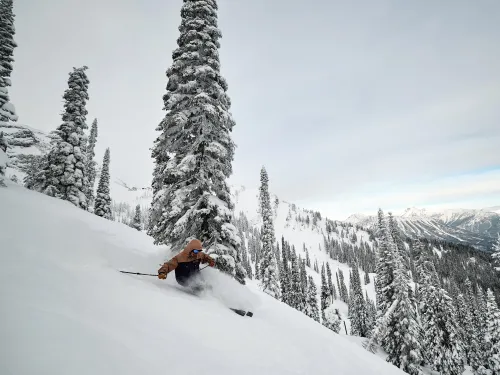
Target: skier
<point x="187" y="263"/>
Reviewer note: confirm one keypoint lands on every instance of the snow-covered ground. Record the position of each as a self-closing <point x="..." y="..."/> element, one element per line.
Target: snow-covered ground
<point x="67" y="310"/>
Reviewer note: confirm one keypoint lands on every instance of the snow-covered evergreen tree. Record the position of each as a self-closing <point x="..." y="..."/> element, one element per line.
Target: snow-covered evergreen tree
<point x="492" y="352"/>
<point x="65" y="172"/>
<point x="358" y="312"/>
<point x="91" y="164"/>
<point x="268" y="267"/>
<point x="312" y="300"/>
<point x="331" y="288"/>
<point x="396" y="237"/>
<point x="295" y="285"/>
<point x="344" y="295"/>
<point x="285" y="275"/>
<point x="466" y="328"/>
<point x="7" y="45"/>
<point x="303" y="285"/>
<point x="331" y="319"/>
<point x="441" y="334"/>
<point x="137" y="221"/>
<point x="384" y="287"/>
<point x="35" y="172"/>
<point x="397" y="328"/>
<point x="471" y="334"/>
<point x="102" y="205"/>
<point x="324" y="291"/>
<point x="194" y="151"/>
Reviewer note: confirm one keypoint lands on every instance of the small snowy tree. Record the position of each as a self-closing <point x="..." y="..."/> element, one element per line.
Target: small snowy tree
<point x="137" y="221"/>
<point x="312" y="300"/>
<point x="331" y="319"/>
<point x="7" y="45"/>
<point x="90" y="166"/>
<point x="35" y="172"/>
<point x="65" y="173"/>
<point x="194" y="152"/>
<point x="268" y="267"/>
<point x="103" y="200"/>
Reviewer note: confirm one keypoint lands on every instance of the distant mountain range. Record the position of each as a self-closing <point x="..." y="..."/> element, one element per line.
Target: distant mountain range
<point x="477" y="227"/>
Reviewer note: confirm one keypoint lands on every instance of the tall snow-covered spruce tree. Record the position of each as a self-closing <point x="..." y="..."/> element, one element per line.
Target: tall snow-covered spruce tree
<point x="65" y="176"/>
<point x="7" y="45"/>
<point x="103" y="200"/>
<point x="194" y="152"/>
<point x="269" y="270"/>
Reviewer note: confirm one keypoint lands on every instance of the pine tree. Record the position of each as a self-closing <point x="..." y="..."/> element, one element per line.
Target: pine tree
<point x="492" y="334"/>
<point x="466" y="328"/>
<point x="90" y="166"/>
<point x="65" y="173"/>
<point x="137" y="222"/>
<point x="295" y="285"/>
<point x="367" y="278"/>
<point x="358" y="312"/>
<point x="303" y="286"/>
<point x="194" y="151"/>
<point x="103" y="200"/>
<point x="268" y="267"/>
<point x="384" y="268"/>
<point x="324" y="291"/>
<point x="441" y="334"/>
<point x="396" y="237"/>
<point x="481" y="320"/>
<point x="308" y="260"/>
<point x="331" y="288"/>
<point x="372" y="314"/>
<point x="312" y="300"/>
<point x="7" y="45"/>
<point x="472" y="336"/>
<point x="285" y="278"/>
<point x="396" y="328"/>
<point x="344" y="295"/>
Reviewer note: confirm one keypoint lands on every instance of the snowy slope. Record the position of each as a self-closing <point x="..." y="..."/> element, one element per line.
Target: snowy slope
<point x="287" y="223"/>
<point x="65" y="308"/>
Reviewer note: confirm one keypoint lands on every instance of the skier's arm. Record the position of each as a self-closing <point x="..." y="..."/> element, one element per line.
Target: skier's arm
<point x="207" y="259"/>
<point x="167" y="267"/>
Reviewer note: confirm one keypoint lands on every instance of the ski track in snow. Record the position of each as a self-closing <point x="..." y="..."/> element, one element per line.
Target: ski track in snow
<point x="66" y="309"/>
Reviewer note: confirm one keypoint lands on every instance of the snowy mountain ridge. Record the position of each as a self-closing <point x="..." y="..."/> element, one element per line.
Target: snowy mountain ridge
<point x="477" y="227"/>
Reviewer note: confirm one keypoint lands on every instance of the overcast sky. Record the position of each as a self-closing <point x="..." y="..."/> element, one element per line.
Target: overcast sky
<point x="350" y="105"/>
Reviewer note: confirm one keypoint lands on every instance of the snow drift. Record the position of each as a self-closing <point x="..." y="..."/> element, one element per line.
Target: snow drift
<point x="67" y="310"/>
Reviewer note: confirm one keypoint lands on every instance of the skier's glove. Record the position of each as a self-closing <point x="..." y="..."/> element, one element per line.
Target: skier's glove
<point x="211" y="262"/>
<point x="162" y="275"/>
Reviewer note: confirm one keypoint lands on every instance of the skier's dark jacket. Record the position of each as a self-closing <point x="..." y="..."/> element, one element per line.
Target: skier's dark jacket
<point x="186" y="263"/>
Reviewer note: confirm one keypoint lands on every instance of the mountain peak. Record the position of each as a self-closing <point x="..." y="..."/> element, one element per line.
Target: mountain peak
<point x="414" y="211"/>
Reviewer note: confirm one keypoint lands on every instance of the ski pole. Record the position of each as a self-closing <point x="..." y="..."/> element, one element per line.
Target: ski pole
<point x="138" y="273"/>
